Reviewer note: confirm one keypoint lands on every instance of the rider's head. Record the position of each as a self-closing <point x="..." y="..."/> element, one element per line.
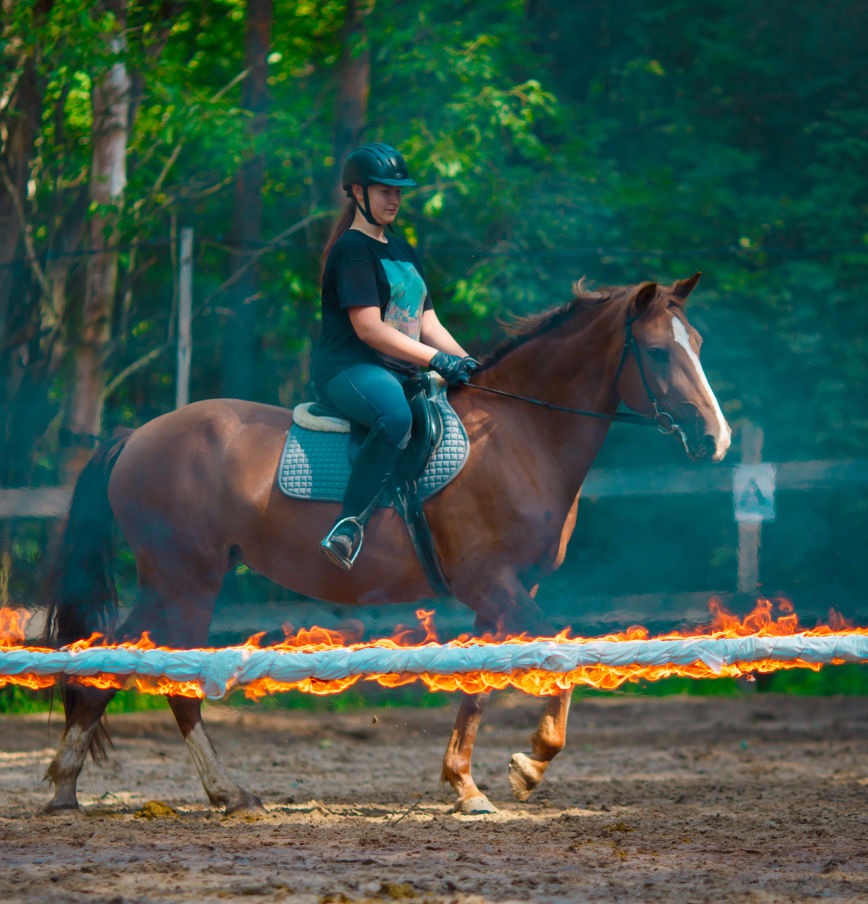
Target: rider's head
<point x="375" y="164"/>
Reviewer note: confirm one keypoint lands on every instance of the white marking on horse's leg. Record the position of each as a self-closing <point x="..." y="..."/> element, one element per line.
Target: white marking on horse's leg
<point x="724" y="434"/>
<point x="64" y="769"/>
<point x="526" y="772"/>
<point x="219" y="787"/>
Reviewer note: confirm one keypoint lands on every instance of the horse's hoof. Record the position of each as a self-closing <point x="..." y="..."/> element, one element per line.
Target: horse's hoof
<point x="246" y="805"/>
<point x="524" y="775"/>
<point x="55" y="806"/>
<point x="478" y="805"/>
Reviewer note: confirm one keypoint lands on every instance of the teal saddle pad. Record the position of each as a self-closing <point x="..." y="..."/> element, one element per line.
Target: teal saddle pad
<point x="315" y="465"/>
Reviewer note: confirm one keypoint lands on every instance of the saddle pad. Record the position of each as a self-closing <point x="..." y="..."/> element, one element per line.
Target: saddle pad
<point x="316" y="465"/>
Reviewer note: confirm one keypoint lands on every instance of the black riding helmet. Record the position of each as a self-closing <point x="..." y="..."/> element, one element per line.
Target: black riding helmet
<point x="374" y="164"/>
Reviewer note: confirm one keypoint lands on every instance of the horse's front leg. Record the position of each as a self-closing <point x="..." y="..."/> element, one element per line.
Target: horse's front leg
<point x="526" y="771"/>
<point x="505" y="607"/>
<point x="456" y="762"/>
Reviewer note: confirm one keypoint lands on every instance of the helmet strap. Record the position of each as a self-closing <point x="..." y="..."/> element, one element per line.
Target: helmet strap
<point x="366" y="210"/>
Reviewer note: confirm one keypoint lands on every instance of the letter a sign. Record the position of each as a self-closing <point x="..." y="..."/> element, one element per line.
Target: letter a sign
<point x="753" y="490"/>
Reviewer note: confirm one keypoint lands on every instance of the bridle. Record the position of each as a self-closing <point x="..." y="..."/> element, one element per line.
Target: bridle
<point x="662" y="420"/>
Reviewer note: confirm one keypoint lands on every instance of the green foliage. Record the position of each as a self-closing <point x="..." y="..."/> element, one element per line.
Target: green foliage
<point x="620" y="141"/>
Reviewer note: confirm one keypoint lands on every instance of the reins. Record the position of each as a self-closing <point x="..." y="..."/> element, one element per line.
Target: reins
<point x="662" y="421"/>
<point x="627" y="417"/>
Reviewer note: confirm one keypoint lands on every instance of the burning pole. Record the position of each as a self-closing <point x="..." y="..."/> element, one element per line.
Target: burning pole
<point x="540" y="666"/>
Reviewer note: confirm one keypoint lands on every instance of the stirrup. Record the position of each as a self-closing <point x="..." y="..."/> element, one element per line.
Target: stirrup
<point x="342" y="544"/>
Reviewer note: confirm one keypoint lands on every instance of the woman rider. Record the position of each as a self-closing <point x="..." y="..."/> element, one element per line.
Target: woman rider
<point x="378" y="328"/>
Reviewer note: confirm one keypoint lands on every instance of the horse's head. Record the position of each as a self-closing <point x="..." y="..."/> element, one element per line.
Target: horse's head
<point x="660" y="373"/>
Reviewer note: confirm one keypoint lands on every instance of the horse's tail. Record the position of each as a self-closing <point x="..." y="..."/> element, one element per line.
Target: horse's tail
<point x="82" y="594"/>
<point x="81" y="586"/>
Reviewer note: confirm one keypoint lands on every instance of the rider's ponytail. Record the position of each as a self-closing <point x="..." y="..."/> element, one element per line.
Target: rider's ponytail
<point x="342" y="224"/>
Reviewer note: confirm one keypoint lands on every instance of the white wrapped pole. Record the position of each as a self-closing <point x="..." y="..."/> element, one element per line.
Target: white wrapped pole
<point x="213" y="673"/>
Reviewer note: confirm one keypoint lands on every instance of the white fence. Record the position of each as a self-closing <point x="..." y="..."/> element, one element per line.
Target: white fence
<point x="52" y="502"/>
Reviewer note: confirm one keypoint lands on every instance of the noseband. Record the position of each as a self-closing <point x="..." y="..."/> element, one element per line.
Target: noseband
<point x="662" y="420"/>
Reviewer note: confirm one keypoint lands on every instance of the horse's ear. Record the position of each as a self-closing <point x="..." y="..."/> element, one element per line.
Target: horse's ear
<point x="642" y="297"/>
<point x="684" y="287"/>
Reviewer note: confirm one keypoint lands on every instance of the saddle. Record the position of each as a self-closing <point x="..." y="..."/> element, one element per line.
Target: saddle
<point x="321" y="445"/>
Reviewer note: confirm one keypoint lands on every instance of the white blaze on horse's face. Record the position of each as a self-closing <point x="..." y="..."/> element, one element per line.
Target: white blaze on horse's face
<point x="722" y="435"/>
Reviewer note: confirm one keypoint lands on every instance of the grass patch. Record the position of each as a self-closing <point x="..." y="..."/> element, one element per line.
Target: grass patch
<point x="134" y="702"/>
<point x="350" y="700"/>
<point x="16" y="700"/>
<point x="21" y="700"/>
<point x="850" y="679"/>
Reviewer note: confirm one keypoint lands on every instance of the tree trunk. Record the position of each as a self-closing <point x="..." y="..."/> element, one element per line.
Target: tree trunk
<point x="22" y="277"/>
<point x="21" y="101"/>
<point x="239" y="338"/>
<point x="354" y="74"/>
<point x="19" y="131"/>
<point x="110" y="99"/>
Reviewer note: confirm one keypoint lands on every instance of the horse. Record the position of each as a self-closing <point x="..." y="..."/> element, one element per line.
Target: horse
<point x="193" y="492"/>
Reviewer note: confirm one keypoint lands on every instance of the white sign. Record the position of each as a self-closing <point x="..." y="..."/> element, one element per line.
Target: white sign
<point x="753" y="490"/>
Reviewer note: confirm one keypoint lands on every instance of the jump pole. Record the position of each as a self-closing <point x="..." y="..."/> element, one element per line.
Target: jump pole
<point x="558" y="665"/>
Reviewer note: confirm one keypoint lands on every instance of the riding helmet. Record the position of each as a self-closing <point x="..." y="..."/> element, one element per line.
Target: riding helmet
<point x="375" y="164"/>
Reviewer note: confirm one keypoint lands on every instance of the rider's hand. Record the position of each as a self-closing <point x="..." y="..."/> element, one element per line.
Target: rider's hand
<point x="453" y="368"/>
<point x="471" y="365"/>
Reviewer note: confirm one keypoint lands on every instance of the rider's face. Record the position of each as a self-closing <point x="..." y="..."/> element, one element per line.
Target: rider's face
<point x="385" y="201"/>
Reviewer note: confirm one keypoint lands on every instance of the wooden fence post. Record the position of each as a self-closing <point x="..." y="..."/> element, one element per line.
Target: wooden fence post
<point x="753" y="498"/>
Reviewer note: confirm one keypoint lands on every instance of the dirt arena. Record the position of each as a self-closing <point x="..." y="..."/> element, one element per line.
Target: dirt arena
<point x="757" y="799"/>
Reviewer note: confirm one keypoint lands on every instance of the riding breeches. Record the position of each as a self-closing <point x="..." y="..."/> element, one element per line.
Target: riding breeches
<point x="373" y="396"/>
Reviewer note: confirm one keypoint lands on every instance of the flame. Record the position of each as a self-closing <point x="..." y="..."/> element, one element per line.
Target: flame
<point x="768" y="618"/>
<point x="13" y="625"/>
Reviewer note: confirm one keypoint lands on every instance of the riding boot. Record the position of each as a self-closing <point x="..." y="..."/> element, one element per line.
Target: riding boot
<point x="370" y="475"/>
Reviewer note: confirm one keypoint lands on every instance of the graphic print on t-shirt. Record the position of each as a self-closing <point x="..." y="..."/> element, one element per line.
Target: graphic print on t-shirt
<point x="407" y="300"/>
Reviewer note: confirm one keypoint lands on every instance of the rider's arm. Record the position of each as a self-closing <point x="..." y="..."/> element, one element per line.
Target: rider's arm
<point x="387" y="340"/>
<point x="434" y="333"/>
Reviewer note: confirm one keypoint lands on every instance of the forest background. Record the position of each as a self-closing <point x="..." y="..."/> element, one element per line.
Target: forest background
<point x="618" y="140"/>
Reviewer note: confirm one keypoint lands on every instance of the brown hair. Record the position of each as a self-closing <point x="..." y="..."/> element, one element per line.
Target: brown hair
<point x="342" y="224"/>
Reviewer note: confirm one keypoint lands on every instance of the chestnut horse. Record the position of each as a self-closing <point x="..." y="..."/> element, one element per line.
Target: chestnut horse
<point x="194" y="492"/>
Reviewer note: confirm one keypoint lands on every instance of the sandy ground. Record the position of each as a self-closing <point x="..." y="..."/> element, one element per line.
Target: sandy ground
<point x="757" y="799"/>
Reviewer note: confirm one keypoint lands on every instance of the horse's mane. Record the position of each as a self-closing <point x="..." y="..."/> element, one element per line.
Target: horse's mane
<point x="522" y="329"/>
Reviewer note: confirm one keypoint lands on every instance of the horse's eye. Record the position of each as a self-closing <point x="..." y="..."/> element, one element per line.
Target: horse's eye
<point x="659" y="355"/>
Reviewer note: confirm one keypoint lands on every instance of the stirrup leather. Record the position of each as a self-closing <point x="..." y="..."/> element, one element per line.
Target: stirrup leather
<point x="343" y="542"/>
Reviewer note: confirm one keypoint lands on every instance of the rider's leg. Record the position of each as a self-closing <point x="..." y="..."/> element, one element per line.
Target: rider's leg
<point x="374" y="397"/>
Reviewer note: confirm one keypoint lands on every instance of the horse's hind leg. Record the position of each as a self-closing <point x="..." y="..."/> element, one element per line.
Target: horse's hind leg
<point x="220" y="788"/>
<point x="84" y="709"/>
<point x="184" y="624"/>
<point x="526" y="771"/>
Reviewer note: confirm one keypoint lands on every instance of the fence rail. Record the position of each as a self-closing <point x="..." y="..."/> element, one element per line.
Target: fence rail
<point x="52" y="502"/>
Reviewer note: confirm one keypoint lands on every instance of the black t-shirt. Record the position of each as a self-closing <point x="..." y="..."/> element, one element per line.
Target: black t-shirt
<point x="363" y="272"/>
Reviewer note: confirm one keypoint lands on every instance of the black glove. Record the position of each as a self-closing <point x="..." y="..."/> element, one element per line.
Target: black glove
<point x="452" y="368"/>
<point x="471" y="365"/>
